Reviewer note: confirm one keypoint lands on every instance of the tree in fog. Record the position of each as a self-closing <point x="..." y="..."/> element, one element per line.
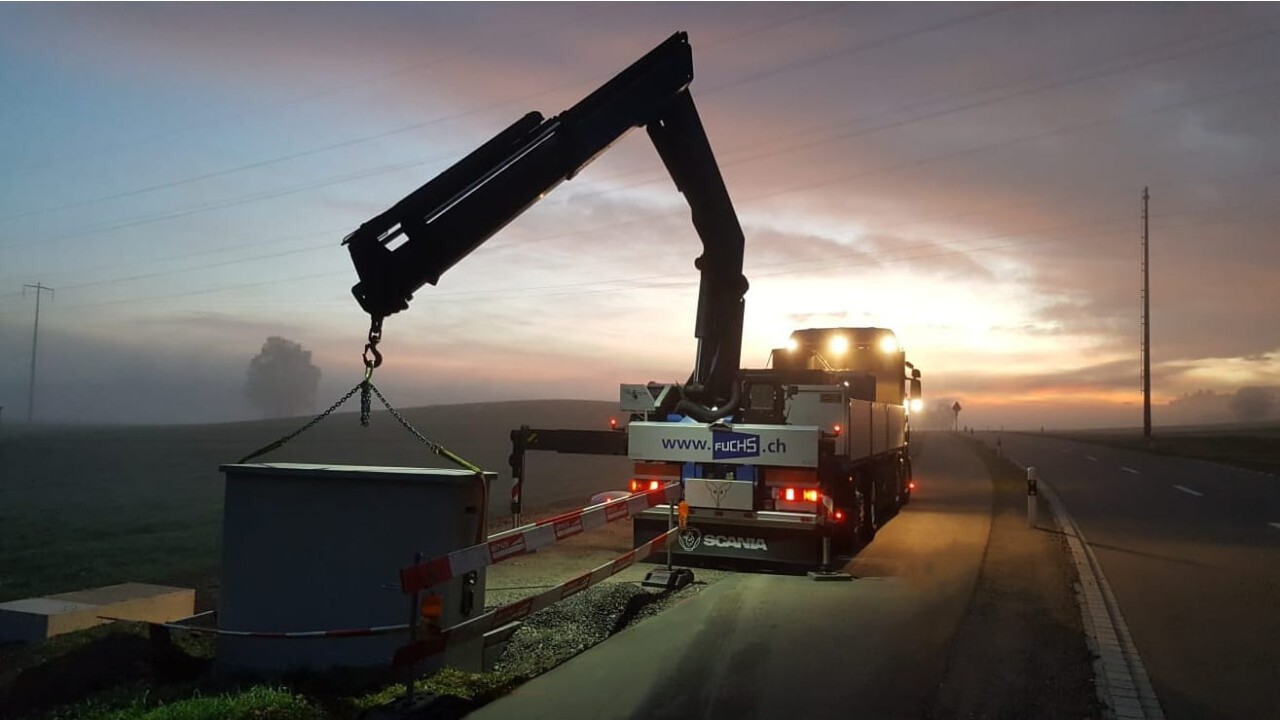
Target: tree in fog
<point x="282" y="381"/>
<point x="1251" y="404"/>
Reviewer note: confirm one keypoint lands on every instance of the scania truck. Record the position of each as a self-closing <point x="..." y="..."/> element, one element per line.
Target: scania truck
<point x="819" y="447"/>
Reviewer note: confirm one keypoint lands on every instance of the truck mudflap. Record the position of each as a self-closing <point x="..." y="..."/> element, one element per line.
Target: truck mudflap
<point x="709" y="539"/>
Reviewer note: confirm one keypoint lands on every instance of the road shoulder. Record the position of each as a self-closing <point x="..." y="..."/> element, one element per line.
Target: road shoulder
<point x="1020" y="650"/>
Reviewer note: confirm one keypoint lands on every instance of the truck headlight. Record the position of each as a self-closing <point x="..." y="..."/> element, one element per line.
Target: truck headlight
<point x="888" y="344"/>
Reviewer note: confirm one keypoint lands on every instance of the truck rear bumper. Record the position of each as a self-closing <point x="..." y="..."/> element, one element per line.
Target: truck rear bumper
<point x="758" y="537"/>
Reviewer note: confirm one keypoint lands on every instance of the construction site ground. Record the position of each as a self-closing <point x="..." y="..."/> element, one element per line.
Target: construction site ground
<point x="1006" y="641"/>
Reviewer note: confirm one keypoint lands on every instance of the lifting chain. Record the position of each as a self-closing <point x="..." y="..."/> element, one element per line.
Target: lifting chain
<point x="434" y="447"/>
<point x="372" y="359"/>
<point x="278" y="443"/>
<point x="366" y="388"/>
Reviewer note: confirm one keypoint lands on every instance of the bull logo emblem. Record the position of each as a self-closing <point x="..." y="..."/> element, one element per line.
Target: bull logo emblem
<point x="718" y="490"/>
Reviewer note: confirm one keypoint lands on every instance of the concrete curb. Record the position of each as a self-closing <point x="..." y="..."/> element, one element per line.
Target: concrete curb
<point x="1122" y="682"/>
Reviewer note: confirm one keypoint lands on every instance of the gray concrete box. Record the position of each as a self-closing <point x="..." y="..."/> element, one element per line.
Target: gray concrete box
<point x="317" y="547"/>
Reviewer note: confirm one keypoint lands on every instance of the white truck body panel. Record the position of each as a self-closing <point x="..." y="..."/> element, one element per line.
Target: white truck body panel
<point x="867" y="428"/>
<point x="743" y="444"/>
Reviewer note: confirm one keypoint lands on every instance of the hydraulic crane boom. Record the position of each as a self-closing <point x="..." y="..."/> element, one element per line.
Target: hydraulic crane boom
<point x="447" y="218"/>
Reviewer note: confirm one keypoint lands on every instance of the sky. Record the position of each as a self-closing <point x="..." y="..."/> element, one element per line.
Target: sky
<point x="968" y="175"/>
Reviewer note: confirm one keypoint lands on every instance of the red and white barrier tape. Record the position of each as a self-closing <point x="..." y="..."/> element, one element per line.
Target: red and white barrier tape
<point x="519" y="541"/>
<point x="494" y="619"/>
<point x="304" y="634"/>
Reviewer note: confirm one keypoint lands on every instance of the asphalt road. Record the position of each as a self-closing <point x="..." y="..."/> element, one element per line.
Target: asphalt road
<point x="771" y="646"/>
<point x="1192" y="552"/>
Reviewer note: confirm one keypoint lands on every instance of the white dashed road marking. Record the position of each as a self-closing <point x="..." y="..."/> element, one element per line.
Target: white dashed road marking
<point x="1090" y="457"/>
<point x="1276" y="525"/>
<point x="1130" y="470"/>
<point x="1189" y="491"/>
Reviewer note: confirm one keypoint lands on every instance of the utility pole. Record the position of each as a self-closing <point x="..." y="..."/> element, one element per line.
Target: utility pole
<point x="1146" y="320"/>
<point x="35" y="339"/>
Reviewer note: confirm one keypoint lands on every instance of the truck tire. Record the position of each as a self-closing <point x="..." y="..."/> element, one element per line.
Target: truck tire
<point x="906" y="485"/>
<point x="868" y="516"/>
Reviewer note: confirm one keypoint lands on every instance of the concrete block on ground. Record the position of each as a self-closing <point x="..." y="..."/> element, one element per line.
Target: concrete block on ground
<point x="36" y="619"/>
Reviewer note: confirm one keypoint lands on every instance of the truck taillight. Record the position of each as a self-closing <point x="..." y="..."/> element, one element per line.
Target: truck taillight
<point x="836" y="429"/>
<point x="911" y="485"/>
<point x="792" y="494"/>
<point x="640" y="486"/>
<point x="839" y="515"/>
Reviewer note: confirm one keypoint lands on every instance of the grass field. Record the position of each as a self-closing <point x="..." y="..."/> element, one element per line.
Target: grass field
<point x="1254" y="447"/>
<point x="89" y="506"/>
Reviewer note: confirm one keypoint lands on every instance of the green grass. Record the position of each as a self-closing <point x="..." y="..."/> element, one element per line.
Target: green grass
<point x="1253" y="450"/>
<point x="258" y="703"/>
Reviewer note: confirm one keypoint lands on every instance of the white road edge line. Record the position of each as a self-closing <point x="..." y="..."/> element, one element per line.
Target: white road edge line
<point x="1275" y="525"/>
<point x="1130" y="470"/>
<point x="1090" y="457"/>
<point x="1188" y="490"/>
<point x="1118" y="670"/>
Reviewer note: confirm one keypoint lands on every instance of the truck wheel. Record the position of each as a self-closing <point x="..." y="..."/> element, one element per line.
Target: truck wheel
<point x="906" y="485"/>
<point x="868" y="520"/>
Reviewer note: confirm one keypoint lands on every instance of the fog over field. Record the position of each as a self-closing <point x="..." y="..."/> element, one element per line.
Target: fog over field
<point x="968" y="175"/>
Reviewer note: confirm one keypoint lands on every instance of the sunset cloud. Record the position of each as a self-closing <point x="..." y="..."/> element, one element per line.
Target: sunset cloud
<point x="968" y="175"/>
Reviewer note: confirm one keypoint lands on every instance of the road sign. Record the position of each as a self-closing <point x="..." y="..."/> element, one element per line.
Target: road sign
<point x="956" y="407"/>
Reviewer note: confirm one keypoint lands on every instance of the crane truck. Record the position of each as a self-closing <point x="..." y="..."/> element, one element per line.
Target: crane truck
<point x="796" y="449"/>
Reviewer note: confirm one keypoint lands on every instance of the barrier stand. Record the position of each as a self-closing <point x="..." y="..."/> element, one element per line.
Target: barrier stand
<point x="670" y="578"/>
<point x="824" y="572"/>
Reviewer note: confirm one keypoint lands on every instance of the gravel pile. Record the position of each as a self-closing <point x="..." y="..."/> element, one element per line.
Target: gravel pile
<point x="558" y="633"/>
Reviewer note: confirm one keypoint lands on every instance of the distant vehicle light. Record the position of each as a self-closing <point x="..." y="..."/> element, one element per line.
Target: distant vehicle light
<point x="836" y="429"/>
<point x="838" y="344"/>
<point x="839" y="515"/>
<point x="792" y="344"/>
<point x="613" y="423"/>
<point x="911" y="485"/>
<point x="917" y="405"/>
<point x="811" y="496"/>
<point x="888" y="344"/>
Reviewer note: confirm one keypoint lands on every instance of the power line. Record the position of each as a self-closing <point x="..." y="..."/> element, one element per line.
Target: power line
<point x="559" y="23"/>
<point x="876" y="171"/>
<point x="35" y="339"/>
<point x="375" y="136"/>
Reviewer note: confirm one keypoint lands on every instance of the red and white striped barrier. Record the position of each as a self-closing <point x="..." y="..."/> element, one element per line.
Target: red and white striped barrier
<point x="300" y="635"/>
<point x="424" y="647"/>
<point x="519" y="541"/>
